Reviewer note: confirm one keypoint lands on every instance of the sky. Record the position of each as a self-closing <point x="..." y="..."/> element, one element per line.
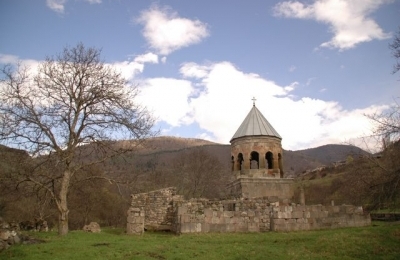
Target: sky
<point x="315" y="68"/>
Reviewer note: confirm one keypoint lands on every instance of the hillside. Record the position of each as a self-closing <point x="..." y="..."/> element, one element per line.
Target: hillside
<point x="330" y="153"/>
<point x="166" y="148"/>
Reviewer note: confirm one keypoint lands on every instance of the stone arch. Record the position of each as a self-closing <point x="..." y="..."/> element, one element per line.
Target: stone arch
<point x="254" y="160"/>
<point x="239" y="161"/>
<point x="280" y="163"/>
<point x="233" y="162"/>
<point x="269" y="160"/>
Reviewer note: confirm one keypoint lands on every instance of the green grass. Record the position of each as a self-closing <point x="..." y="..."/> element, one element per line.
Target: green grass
<point x="379" y="241"/>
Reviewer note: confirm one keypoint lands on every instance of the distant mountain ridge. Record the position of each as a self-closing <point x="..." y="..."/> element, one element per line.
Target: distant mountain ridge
<point x="294" y="162"/>
<point x="165" y="148"/>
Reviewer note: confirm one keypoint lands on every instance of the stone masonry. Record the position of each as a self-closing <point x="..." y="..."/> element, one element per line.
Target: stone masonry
<point x="170" y="212"/>
<point x="152" y="211"/>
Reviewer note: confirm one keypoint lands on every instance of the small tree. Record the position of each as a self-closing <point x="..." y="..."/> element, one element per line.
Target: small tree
<point x="73" y="100"/>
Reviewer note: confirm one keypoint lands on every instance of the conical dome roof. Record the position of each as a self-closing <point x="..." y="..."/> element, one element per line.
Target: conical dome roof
<point x="255" y="124"/>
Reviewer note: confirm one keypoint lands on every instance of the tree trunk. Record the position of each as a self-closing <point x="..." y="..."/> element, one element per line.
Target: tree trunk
<point x="63" y="205"/>
<point x="63" y="223"/>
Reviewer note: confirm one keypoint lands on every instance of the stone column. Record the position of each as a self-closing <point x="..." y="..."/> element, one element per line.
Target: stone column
<point x="135" y="221"/>
<point x="261" y="160"/>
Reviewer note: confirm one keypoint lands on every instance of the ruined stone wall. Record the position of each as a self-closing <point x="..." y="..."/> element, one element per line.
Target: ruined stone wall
<point x="296" y="217"/>
<point x="243" y="215"/>
<point x="163" y="210"/>
<point x="156" y="208"/>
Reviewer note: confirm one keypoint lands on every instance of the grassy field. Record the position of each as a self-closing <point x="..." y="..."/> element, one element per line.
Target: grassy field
<point x="379" y="241"/>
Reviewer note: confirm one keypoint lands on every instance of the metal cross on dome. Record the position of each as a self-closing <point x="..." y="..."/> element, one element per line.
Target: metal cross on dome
<point x="254" y="101"/>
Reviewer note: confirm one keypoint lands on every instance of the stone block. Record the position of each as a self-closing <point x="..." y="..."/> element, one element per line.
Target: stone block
<point x="205" y="227"/>
<point x="334" y="209"/>
<point x="230" y="228"/>
<point x="253" y="227"/>
<point x="215" y="220"/>
<point x="300" y="208"/>
<point x="234" y="220"/>
<point x="359" y="210"/>
<point x="93" y="227"/>
<point x="229" y="214"/>
<point x="297" y="214"/>
<point x="301" y="220"/>
<point x="197" y="227"/>
<point x="185" y="228"/>
<point x="251" y="213"/>
<point x="314" y="214"/>
<point x="182" y="210"/>
<point x="208" y="212"/>
<point x="185" y="218"/>
<point x="134" y="229"/>
<point x="278" y="221"/>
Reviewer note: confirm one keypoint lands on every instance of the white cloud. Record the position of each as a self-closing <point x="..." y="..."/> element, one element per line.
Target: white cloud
<point x="291" y="87"/>
<point x="309" y="80"/>
<point x="31" y="65"/>
<point x="56" y="5"/>
<point x="221" y="96"/>
<point x="225" y="98"/>
<point x="192" y="70"/>
<point x="128" y="69"/>
<point x="348" y="19"/>
<point x="59" y="5"/>
<point x="148" y="57"/>
<point x="164" y="59"/>
<point x="167" y="98"/>
<point x="166" y="32"/>
<point x="6" y="58"/>
<point x="94" y="1"/>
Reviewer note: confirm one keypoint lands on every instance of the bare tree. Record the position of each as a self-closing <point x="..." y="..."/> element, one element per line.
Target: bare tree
<point x="73" y="100"/>
<point x="381" y="172"/>
<point x="198" y="174"/>
<point x="395" y="47"/>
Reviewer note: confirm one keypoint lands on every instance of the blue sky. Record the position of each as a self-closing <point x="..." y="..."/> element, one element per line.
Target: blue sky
<point x="315" y="67"/>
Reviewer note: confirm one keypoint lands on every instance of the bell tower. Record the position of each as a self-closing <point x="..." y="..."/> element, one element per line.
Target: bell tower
<point x="257" y="160"/>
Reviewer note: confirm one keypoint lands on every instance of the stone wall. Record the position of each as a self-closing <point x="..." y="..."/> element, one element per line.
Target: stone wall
<point x="201" y="216"/>
<point x="297" y="217"/>
<point x="155" y="207"/>
<point x="163" y="210"/>
<point x="248" y="187"/>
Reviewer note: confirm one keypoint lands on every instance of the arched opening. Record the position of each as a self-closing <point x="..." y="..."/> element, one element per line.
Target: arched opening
<point x="280" y="164"/>
<point x="233" y="162"/>
<point x="239" y="161"/>
<point x="254" y="160"/>
<point x="269" y="160"/>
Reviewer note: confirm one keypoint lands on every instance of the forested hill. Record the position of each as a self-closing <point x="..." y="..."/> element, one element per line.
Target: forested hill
<point x="165" y="149"/>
